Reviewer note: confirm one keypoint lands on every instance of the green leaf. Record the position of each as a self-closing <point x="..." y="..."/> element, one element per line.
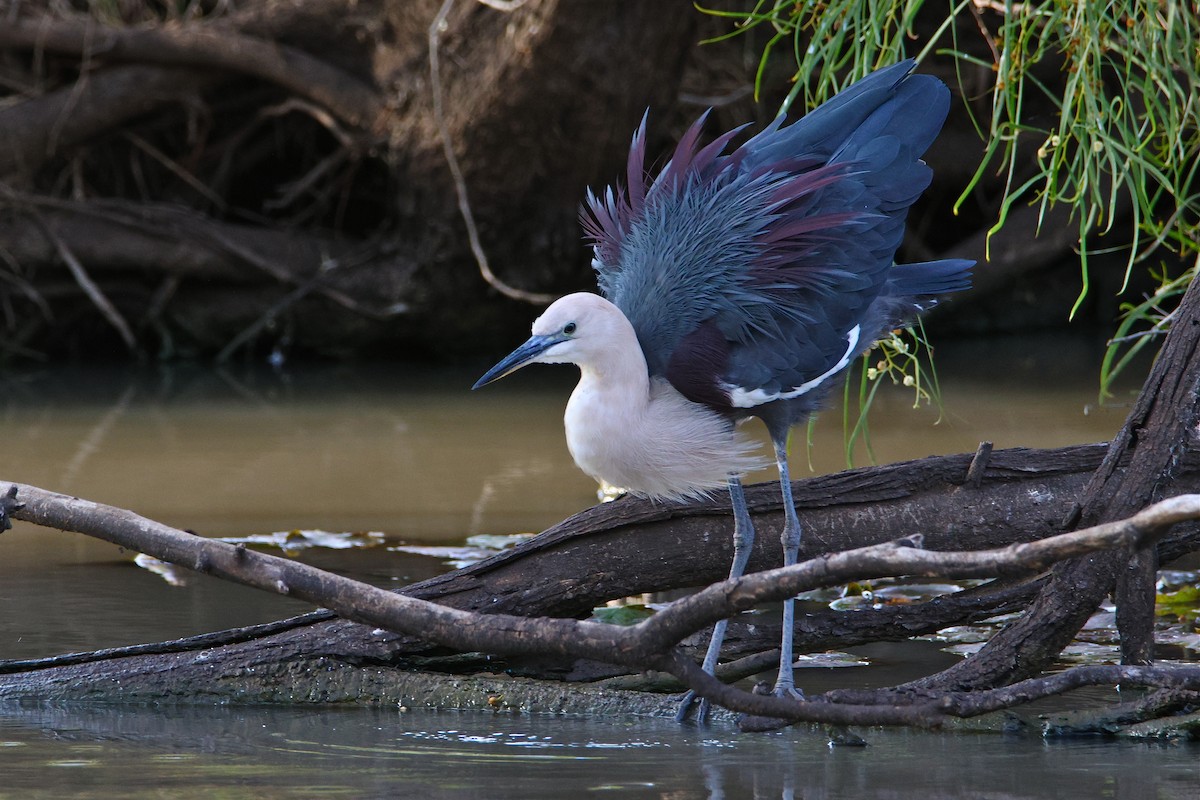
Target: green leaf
<point x="624" y="615"/>
<point x="1184" y="603"/>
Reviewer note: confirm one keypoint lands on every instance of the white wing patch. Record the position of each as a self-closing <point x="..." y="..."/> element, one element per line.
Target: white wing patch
<point x="743" y="398"/>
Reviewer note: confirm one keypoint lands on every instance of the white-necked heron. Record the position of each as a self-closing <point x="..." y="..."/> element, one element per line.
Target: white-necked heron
<point x="743" y="284"/>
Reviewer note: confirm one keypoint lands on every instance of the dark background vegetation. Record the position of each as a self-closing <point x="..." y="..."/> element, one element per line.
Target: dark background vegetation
<point x="232" y="180"/>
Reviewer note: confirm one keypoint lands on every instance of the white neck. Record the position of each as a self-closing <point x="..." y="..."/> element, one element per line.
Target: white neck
<point x="610" y="402"/>
<point x="618" y="369"/>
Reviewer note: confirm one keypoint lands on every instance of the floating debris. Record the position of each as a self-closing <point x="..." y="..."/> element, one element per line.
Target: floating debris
<point x="291" y="542"/>
<point x="476" y="548"/>
<point x="170" y="573"/>
<point x="833" y="658"/>
<point x="861" y="596"/>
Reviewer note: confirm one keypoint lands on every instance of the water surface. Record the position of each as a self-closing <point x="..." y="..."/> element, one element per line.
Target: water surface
<point x="315" y="753"/>
<point x="411" y="453"/>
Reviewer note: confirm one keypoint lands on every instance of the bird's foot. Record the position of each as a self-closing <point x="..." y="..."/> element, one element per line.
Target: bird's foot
<point x="789" y="692"/>
<point x="783" y="688"/>
<point x="751" y="723"/>
<point x="692" y="700"/>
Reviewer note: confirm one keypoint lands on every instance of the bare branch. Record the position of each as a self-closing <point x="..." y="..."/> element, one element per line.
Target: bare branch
<point x="348" y="598"/>
<point x="94" y="293"/>
<point x="653" y="641"/>
<point x="36" y="129"/>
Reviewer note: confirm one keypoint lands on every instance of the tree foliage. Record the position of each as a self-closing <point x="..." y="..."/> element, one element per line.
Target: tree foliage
<point x="1120" y="146"/>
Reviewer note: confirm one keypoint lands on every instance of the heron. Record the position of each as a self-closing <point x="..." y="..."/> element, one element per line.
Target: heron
<point x="742" y="284"/>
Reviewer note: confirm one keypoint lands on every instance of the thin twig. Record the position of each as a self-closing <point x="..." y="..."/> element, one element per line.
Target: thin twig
<point x="460" y="183"/>
<point x="173" y="167"/>
<point x="266" y="318"/>
<point x="294" y="189"/>
<point x="93" y="291"/>
<point x="13" y="276"/>
<point x="983" y="30"/>
<point x="319" y="114"/>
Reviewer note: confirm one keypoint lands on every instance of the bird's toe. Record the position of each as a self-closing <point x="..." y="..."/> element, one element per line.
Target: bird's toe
<point x="690" y="701"/>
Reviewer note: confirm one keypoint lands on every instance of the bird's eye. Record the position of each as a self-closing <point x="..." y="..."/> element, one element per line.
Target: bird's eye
<point x="569" y="328"/>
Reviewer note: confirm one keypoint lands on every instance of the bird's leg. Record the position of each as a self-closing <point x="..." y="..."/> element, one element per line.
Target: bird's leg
<point x="785" y="684"/>
<point x="743" y="543"/>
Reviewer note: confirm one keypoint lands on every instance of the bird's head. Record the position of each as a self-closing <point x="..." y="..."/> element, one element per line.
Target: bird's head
<point x="576" y="329"/>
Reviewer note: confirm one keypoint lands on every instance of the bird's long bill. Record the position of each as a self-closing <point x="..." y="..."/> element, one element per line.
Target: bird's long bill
<point x="526" y="353"/>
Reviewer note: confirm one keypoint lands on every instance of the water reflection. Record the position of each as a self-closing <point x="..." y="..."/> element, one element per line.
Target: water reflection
<point x="412" y="452"/>
<point x="286" y="753"/>
<point x="404" y="450"/>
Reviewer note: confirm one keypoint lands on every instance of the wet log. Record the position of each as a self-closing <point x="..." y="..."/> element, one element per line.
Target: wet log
<point x="1143" y="463"/>
<point x="611" y="551"/>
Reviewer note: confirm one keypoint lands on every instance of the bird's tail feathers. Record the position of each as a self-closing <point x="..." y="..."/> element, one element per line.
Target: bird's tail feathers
<point x="928" y="278"/>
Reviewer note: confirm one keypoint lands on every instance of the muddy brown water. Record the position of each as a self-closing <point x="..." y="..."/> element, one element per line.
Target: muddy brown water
<point x="411" y="453"/>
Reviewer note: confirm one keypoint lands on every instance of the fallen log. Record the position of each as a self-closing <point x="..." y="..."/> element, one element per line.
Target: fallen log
<point x="587" y="559"/>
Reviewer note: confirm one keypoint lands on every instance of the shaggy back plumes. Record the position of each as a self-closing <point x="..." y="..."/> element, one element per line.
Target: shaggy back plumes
<point x="753" y="272"/>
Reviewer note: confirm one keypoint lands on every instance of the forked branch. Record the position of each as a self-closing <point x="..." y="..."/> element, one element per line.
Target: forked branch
<point x="651" y="644"/>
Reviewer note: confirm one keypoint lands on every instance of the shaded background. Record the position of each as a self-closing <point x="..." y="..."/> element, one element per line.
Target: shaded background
<point x="248" y="180"/>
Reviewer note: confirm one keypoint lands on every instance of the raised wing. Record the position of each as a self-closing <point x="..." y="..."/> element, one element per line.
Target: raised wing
<point x="755" y="276"/>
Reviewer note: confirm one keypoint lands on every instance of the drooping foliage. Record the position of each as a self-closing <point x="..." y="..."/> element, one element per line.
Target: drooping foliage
<point x="1121" y="148"/>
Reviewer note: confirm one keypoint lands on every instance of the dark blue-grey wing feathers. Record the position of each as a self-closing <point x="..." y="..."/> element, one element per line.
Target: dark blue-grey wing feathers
<point x="762" y="269"/>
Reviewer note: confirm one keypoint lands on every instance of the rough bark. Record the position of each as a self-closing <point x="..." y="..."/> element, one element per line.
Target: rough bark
<point x="652" y="643"/>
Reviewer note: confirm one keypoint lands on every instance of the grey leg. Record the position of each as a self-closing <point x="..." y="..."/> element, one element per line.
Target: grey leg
<point x="785" y="684"/>
<point x="743" y="543"/>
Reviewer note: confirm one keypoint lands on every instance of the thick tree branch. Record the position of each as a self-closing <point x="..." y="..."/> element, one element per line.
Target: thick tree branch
<point x="119" y="236"/>
<point x="647" y="547"/>
<point x="649" y="643"/>
<point x="41" y="127"/>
